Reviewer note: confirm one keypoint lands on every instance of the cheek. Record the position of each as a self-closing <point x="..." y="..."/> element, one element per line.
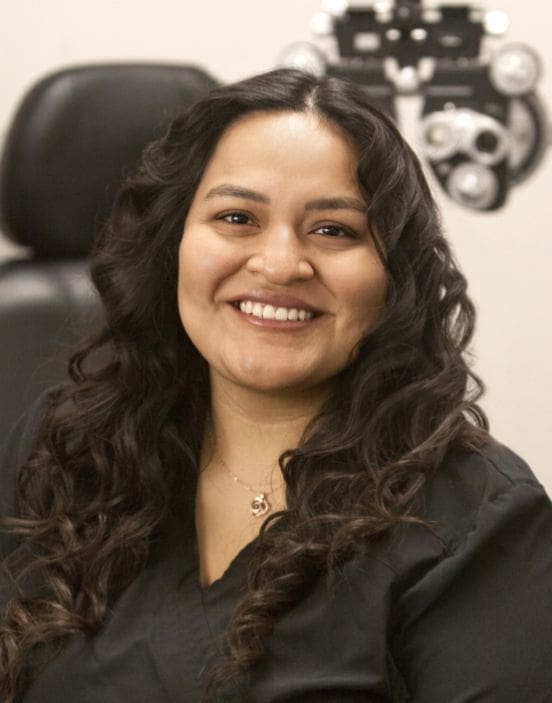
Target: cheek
<point x="363" y="293"/>
<point x="191" y="278"/>
<point x="198" y="267"/>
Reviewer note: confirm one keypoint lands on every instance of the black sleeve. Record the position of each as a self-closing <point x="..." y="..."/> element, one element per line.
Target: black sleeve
<point x="477" y="625"/>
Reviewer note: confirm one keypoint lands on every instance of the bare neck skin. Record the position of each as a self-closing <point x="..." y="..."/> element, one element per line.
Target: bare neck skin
<point x="251" y="430"/>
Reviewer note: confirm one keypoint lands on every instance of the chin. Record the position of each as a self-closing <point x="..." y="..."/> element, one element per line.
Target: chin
<point x="275" y="384"/>
<point x="275" y="381"/>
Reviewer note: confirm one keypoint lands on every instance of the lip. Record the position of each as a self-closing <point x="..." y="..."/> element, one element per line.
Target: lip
<point x="273" y="325"/>
<point x="276" y="300"/>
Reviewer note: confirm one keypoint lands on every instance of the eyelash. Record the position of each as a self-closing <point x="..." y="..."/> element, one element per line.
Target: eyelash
<point x="226" y="215"/>
<point x="340" y="228"/>
<point x="229" y="218"/>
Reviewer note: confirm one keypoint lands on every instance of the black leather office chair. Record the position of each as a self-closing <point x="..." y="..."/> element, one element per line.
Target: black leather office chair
<point x="75" y="135"/>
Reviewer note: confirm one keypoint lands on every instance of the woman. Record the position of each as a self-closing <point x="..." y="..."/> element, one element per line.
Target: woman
<point x="269" y="479"/>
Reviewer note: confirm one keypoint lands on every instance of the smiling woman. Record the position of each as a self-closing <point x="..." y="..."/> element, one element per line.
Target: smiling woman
<point x="278" y="227"/>
<point x="269" y="479"/>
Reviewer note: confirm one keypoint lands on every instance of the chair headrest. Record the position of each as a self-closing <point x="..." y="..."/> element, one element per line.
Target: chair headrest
<point x="76" y="134"/>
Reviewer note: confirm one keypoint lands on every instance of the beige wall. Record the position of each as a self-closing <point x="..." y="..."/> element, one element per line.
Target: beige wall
<point x="507" y="256"/>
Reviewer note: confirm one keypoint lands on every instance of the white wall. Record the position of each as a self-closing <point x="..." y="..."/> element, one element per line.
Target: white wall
<point x="507" y="255"/>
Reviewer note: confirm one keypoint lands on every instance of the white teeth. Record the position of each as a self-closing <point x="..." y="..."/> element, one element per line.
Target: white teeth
<point x="269" y="312"/>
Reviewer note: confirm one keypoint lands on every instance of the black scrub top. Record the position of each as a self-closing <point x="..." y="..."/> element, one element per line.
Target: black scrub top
<point x="460" y="616"/>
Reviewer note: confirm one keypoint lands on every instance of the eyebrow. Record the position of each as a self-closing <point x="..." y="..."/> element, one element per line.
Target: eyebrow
<point x="338" y="203"/>
<point x="236" y="192"/>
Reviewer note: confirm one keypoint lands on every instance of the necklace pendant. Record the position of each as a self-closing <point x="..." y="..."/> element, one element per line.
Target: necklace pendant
<point x="259" y="505"/>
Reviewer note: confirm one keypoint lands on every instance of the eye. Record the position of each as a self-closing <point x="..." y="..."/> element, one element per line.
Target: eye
<point x="335" y="231"/>
<point x="236" y="218"/>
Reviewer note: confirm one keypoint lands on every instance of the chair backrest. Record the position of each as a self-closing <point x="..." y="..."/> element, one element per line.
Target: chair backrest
<point x="75" y="136"/>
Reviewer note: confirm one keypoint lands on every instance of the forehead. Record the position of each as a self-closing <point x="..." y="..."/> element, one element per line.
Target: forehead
<point x="299" y="148"/>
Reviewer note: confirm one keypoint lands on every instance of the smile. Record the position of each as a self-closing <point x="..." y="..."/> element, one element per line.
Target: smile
<point x="271" y="312"/>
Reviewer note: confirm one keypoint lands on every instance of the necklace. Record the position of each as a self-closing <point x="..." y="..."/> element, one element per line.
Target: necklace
<point x="260" y="504"/>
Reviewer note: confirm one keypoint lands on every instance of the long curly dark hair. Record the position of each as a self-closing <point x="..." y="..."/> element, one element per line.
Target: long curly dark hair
<point x="117" y="454"/>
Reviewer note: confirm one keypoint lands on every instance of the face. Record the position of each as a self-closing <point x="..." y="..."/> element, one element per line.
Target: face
<point x="279" y="277"/>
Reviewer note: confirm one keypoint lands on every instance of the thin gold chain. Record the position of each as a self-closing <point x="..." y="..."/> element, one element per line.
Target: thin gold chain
<point x="236" y="478"/>
<point x="261" y="503"/>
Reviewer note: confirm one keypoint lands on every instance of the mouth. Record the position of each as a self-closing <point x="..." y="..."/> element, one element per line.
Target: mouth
<point x="274" y="312"/>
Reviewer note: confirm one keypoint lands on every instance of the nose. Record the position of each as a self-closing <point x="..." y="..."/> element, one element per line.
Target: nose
<point x="280" y="256"/>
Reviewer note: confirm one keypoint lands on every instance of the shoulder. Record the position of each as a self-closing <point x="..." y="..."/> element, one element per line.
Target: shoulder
<point x="494" y="466"/>
<point x="475" y="503"/>
<point x="472" y="484"/>
<point x="473" y="489"/>
<point x="473" y="612"/>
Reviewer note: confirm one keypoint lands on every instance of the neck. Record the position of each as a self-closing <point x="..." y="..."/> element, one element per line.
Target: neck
<point x="252" y="429"/>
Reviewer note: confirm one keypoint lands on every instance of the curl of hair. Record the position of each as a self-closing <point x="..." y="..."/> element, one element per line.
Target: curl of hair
<point x="117" y="454"/>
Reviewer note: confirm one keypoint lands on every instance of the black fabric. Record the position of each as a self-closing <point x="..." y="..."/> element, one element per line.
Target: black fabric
<point x="76" y="134"/>
<point x="46" y="308"/>
<point x="461" y="616"/>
